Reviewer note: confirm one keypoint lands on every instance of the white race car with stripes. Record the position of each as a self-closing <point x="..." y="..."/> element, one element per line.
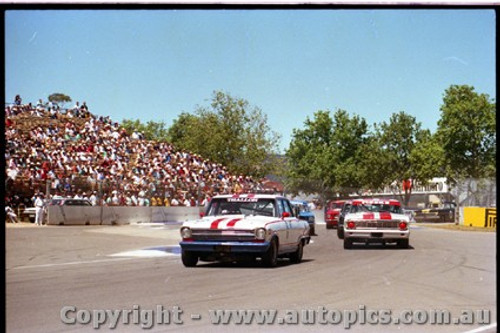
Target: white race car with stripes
<point x="245" y="226"/>
<point x="376" y="220"/>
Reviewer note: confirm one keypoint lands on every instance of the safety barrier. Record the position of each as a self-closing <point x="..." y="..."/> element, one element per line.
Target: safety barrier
<point x="108" y="215"/>
<point x="480" y="217"/>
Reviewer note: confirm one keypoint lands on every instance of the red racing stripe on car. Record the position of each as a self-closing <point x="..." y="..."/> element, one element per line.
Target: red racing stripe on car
<point x="272" y="222"/>
<point x="215" y="223"/>
<point x="232" y="222"/>
<point x="385" y="216"/>
<point x="368" y="216"/>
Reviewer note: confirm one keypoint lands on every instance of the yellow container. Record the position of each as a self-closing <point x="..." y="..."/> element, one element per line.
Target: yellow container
<point x="480" y="217"/>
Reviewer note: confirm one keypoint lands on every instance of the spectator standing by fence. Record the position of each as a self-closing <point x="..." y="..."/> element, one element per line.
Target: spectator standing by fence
<point x="9" y="212"/>
<point x="39" y="209"/>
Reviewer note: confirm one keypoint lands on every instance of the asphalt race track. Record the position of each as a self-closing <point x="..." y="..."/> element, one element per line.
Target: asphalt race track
<point x="74" y="274"/>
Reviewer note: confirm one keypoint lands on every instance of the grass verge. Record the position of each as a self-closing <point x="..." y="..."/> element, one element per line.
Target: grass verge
<point x="458" y="227"/>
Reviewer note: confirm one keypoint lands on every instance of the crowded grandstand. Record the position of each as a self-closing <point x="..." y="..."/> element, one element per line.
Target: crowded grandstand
<point x="75" y="153"/>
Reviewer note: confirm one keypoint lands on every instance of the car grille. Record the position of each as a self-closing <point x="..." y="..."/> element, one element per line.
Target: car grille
<point x="377" y="224"/>
<point x="223" y="235"/>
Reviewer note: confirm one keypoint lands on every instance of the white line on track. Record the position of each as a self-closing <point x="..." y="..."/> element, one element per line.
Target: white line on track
<point x="144" y="254"/>
<point x="71" y="263"/>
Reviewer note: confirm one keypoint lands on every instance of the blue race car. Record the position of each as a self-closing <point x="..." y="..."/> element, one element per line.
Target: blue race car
<point x="303" y="212"/>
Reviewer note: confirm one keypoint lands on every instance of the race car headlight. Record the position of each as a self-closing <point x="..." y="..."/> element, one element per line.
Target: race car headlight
<point x="260" y="233"/>
<point x="186" y="232"/>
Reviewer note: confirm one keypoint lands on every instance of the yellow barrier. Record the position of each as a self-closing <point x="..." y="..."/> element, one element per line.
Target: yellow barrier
<point x="480" y="217"/>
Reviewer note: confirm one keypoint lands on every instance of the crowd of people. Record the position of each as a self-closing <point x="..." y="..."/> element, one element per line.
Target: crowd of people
<point x="74" y="153"/>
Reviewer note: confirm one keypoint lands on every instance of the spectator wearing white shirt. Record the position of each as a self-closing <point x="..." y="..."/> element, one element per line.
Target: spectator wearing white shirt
<point x="93" y="198"/>
<point x="39" y="206"/>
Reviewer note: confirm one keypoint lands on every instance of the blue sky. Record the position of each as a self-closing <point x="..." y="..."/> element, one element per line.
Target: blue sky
<point x="155" y="64"/>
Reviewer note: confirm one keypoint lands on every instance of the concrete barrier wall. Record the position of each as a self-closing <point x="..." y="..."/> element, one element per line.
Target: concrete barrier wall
<point x="109" y="215"/>
<point x="74" y="215"/>
<point x="84" y="215"/>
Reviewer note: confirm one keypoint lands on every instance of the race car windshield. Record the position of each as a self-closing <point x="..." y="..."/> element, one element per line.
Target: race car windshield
<point x="360" y="208"/>
<point x="232" y="206"/>
<point x="336" y="205"/>
<point x="385" y="208"/>
<point x="301" y="207"/>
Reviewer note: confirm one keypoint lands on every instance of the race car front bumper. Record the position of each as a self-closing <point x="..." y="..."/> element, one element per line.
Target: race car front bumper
<point x="236" y="248"/>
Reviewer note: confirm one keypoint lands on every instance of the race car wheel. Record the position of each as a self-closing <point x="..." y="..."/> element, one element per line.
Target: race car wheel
<point x="329" y="226"/>
<point x="296" y="257"/>
<point x="403" y="243"/>
<point x="347" y="243"/>
<point x="340" y="232"/>
<point x="189" y="259"/>
<point x="270" y="259"/>
<point x="312" y="231"/>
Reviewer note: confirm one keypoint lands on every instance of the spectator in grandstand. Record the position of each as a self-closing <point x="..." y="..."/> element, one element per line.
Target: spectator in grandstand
<point x="93" y="198"/>
<point x="78" y="194"/>
<point x="18" y="101"/>
<point x="133" y="199"/>
<point x="186" y="202"/>
<point x="174" y="201"/>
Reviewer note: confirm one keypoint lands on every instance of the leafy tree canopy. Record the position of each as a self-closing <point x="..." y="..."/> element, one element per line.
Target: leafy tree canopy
<point x="59" y="99"/>
<point x="230" y="132"/>
<point x="323" y="157"/>
<point x="151" y="130"/>
<point x="467" y="133"/>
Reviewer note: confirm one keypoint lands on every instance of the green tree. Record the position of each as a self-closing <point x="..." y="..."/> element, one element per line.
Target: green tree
<point x="325" y="156"/>
<point x="467" y="132"/>
<point x="229" y="132"/>
<point x="427" y="158"/>
<point x="398" y="138"/>
<point x="151" y="130"/>
<point x="59" y="99"/>
<point x="309" y="157"/>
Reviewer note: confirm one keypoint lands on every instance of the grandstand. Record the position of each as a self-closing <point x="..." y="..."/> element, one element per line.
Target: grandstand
<point x="75" y="153"/>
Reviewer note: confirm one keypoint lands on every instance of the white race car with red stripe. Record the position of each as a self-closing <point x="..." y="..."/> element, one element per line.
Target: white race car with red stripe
<point x="375" y="220"/>
<point x="245" y="226"/>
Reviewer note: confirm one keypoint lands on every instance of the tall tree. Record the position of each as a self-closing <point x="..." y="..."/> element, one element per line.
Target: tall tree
<point x="309" y="157"/>
<point x="467" y="132"/>
<point x="324" y="157"/>
<point x="427" y="158"/>
<point x="398" y="138"/>
<point x="230" y="132"/>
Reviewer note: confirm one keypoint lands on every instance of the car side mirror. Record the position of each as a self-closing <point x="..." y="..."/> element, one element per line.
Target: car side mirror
<point x="285" y="214"/>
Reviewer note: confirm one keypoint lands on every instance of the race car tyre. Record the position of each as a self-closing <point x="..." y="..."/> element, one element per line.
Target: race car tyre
<point x="270" y="259"/>
<point x="296" y="257"/>
<point x="340" y="232"/>
<point x="329" y="226"/>
<point x="312" y="231"/>
<point x="189" y="259"/>
<point x="347" y="243"/>
<point x="403" y="243"/>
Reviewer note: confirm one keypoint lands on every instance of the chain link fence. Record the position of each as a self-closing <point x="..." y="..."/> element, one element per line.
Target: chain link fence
<point x="474" y="193"/>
